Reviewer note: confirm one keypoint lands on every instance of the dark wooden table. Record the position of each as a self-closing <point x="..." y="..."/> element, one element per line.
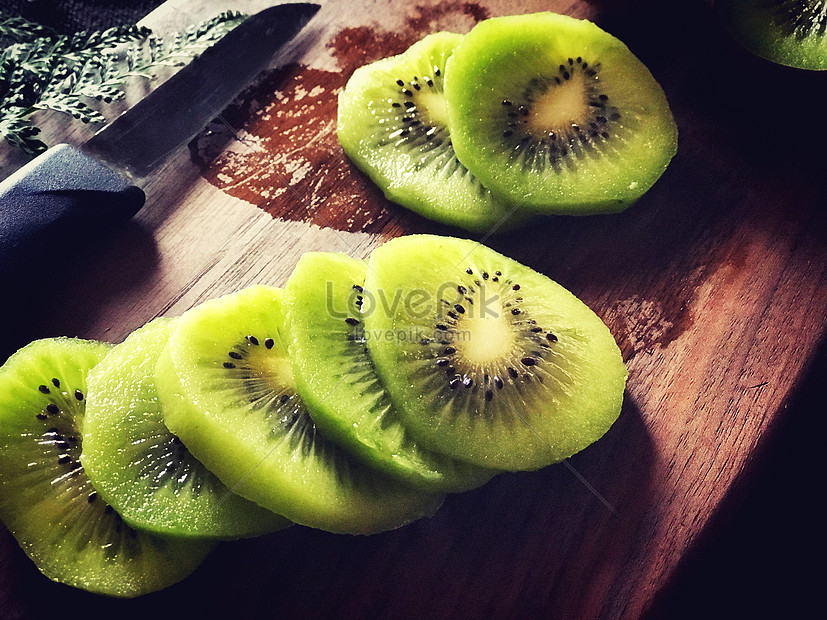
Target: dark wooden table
<point x="714" y="284"/>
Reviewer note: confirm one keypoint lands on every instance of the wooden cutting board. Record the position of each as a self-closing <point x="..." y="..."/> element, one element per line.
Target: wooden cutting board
<point x="714" y="284"/>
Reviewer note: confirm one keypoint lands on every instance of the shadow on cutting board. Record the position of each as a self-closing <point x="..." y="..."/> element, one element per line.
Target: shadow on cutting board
<point x="61" y="302"/>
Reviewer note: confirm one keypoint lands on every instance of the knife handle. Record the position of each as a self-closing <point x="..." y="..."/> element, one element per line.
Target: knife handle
<point x="54" y="204"/>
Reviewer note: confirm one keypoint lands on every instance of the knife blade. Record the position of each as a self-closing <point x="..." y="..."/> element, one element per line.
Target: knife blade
<point x="89" y="190"/>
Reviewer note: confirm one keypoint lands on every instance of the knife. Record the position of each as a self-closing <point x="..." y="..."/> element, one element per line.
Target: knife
<point x="68" y="192"/>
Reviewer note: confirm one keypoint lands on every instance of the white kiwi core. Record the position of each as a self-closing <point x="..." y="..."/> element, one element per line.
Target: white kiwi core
<point x="433" y="108"/>
<point x="485" y="339"/>
<point x="276" y="370"/>
<point x="560" y="107"/>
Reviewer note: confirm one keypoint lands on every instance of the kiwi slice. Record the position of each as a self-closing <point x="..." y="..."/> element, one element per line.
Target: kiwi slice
<point x="787" y="32"/>
<point x="392" y="123"/>
<point x="141" y="469"/>
<point x="485" y="359"/>
<point x="46" y="498"/>
<point x="228" y="392"/>
<point x="558" y="114"/>
<point x="336" y="379"/>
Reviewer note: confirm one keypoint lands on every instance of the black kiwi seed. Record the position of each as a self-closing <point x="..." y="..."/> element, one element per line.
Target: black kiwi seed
<point x="78" y="395"/>
<point x="43" y="389"/>
<point x="56" y="382"/>
<point x="252" y="340"/>
<point x="229" y="365"/>
<point x="351" y="321"/>
<point x="235" y="355"/>
<point x="269" y="342"/>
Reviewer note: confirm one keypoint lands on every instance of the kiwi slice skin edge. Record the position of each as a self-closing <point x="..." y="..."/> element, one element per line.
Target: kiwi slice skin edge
<point x="498" y="365"/>
<point x="559" y="113"/>
<point x="787" y="32"/>
<point x="46" y="499"/>
<point x="143" y="470"/>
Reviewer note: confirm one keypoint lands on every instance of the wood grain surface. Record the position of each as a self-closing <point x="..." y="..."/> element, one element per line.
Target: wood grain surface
<point x="714" y="285"/>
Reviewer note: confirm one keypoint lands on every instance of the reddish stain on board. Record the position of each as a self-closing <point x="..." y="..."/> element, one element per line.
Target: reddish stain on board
<point x="278" y="149"/>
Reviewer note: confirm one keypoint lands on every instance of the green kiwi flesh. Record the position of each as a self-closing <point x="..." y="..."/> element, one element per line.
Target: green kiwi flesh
<point x="227" y="390"/>
<point x="787" y="32"/>
<point x="141" y="469"/>
<point x="557" y="114"/>
<point x="487" y="360"/>
<point x="337" y="382"/>
<point x="46" y="498"/>
<point x="392" y="123"/>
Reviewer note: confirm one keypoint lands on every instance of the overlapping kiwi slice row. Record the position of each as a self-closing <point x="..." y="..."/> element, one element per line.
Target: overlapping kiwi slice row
<point x="350" y="401"/>
<point x="528" y="114"/>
